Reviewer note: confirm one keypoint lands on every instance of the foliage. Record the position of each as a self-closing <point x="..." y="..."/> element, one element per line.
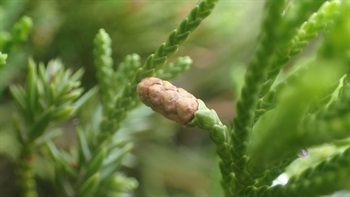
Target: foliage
<point x="284" y="111"/>
<point x="9" y="41"/>
<point x="250" y="161"/>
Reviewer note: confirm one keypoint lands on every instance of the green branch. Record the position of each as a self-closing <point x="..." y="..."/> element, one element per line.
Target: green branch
<point x="307" y="32"/>
<point x="19" y="33"/>
<point x="327" y="177"/>
<point x="24" y="172"/>
<point x="103" y="64"/>
<point x="125" y="72"/>
<point x="287" y="121"/>
<point x="270" y="100"/>
<point x="245" y="107"/>
<point x="50" y="96"/>
<point x="208" y="120"/>
<point x="127" y="99"/>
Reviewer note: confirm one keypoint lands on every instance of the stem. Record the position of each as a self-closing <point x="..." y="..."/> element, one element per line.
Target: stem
<point x="208" y="120"/>
<point x="25" y="173"/>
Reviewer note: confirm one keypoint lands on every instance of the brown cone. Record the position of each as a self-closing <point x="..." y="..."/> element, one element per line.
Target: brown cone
<point x="172" y="102"/>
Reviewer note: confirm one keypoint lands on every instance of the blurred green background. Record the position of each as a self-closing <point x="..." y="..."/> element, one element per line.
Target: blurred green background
<point x="168" y="160"/>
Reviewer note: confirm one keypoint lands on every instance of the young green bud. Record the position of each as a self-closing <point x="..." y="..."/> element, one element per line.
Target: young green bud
<point x="172" y="102"/>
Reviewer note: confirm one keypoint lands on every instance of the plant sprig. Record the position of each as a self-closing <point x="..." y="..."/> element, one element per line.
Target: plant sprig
<point x="267" y="124"/>
<point x="126" y="100"/>
<point x="18" y="34"/>
<point x="243" y="120"/>
<point x="331" y="172"/>
<point x="51" y="95"/>
<point x="9" y="41"/>
<point x="305" y="33"/>
<point x="208" y="120"/>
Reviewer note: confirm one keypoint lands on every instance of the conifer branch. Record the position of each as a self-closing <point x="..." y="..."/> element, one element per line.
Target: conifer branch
<point x="127" y="99"/>
<point x="243" y="120"/>
<point x="19" y="33"/>
<point x="333" y="173"/>
<point x="125" y="72"/>
<point x="49" y="97"/>
<point x="286" y="121"/>
<point x="307" y="32"/>
<point x="208" y="120"/>
<point x="104" y="64"/>
<point x="269" y="101"/>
